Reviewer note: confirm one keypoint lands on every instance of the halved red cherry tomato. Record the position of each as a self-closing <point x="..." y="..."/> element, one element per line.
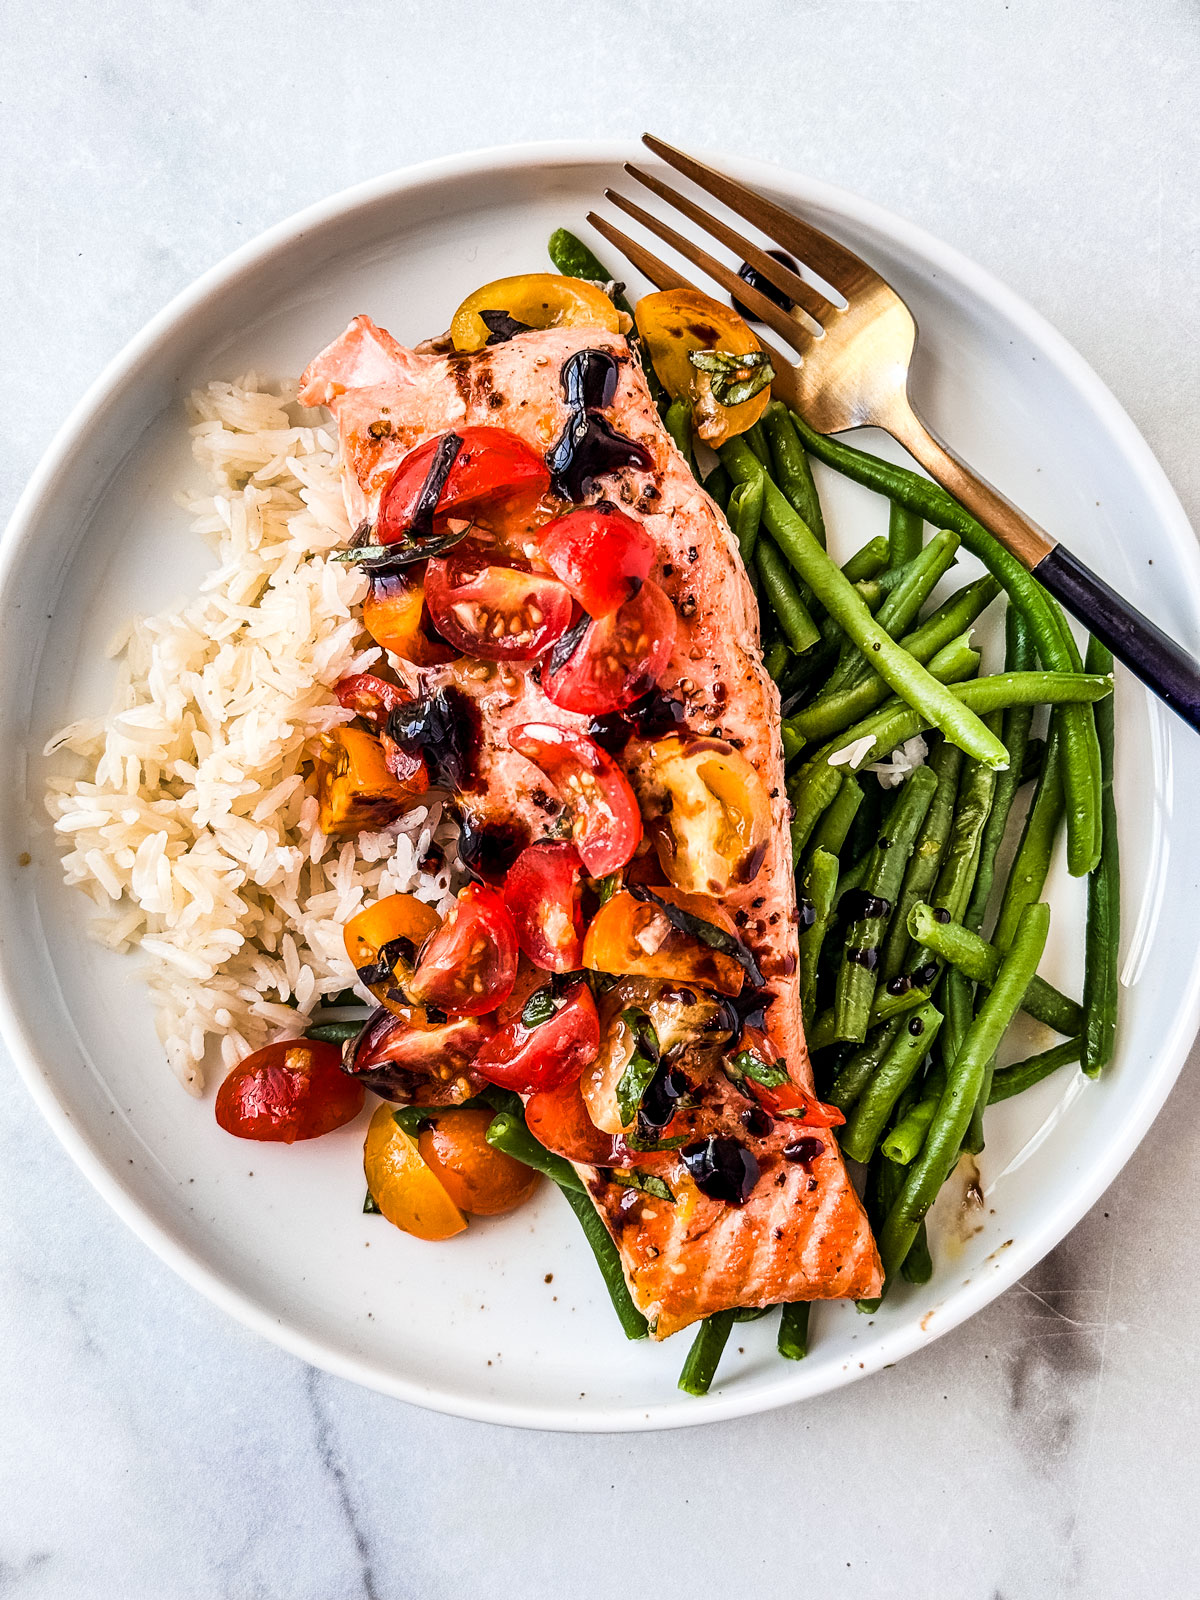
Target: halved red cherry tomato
<point x="470" y="964"/>
<point x="543" y="895"/>
<point x="395" y="615"/>
<point x="374" y="699"/>
<point x="606" y="823"/>
<point x="784" y="1099"/>
<point x="294" y="1089"/>
<point x="529" y="1058"/>
<point x="618" y="658"/>
<point x="602" y="555"/>
<point x="403" y="1058"/>
<point x="496" y="613"/>
<point x="631" y="937"/>
<point x="460" y="474"/>
<point x="558" y="1119"/>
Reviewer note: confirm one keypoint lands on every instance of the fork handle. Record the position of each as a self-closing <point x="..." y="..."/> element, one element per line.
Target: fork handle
<point x="1162" y="664"/>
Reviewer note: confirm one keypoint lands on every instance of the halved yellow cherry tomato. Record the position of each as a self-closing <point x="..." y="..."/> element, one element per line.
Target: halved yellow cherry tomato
<point x="716" y="825"/>
<point x="675" y="322"/>
<point x="402" y="1186"/>
<point x="355" y="789"/>
<point x="631" y="937"/>
<point x="536" y="300"/>
<point x="367" y="936"/>
<point x="680" y="1016"/>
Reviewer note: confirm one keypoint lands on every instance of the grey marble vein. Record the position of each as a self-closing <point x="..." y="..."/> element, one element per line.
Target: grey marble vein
<point x="151" y="1449"/>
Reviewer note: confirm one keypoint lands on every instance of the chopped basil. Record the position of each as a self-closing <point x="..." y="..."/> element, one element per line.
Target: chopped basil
<point x="641" y="1067"/>
<point x="734" y="379"/>
<point x="383" y="557"/>
<point x="386" y="959"/>
<point x="646" y="1182"/>
<point x="749" y="1064"/>
<point x="370" y="1208"/>
<point x="501" y="326"/>
<point x="707" y="932"/>
<point x="538" y="1008"/>
<point x="645" y="1147"/>
<point x="607" y="887"/>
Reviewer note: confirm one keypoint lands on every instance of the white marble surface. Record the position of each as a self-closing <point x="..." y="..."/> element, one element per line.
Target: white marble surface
<point x="150" y="1448"/>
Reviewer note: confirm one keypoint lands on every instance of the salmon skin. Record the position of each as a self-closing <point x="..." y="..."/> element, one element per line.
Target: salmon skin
<point x="802" y="1233"/>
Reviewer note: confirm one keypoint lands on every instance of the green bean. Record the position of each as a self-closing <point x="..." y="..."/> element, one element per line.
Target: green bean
<point x="632" y="1321"/>
<point x="860" y="1068"/>
<point x="700" y="1368"/>
<point x="917" y="1266"/>
<point x="835" y="824"/>
<point x="819" y="890"/>
<point x="678" y="423"/>
<point x="906" y="532"/>
<point x="1056" y="647"/>
<point x="717" y="486"/>
<point x="507" y="1132"/>
<point x="1100" y="980"/>
<point x="895" y="722"/>
<point x="345" y="997"/>
<point x="792" y="1343"/>
<point x="1031" y="863"/>
<point x="952" y="617"/>
<point x="574" y="260"/>
<point x="957" y="993"/>
<point x="777" y="659"/>
<point x="904" y="1141"/>
<point x="810" y="798"/>
<point x="910" y="1045"/>
<point x="980" y="961"/>
<point x="336" y="1032"/>
<point x="885" y="874"/>
<point x="925" y="862"/>
<point x="851" y="877"/>
<point x="907" y="677"/>
<point x="957" y="876"/>
<point x="784" y="598"/>
<point x="868" y="561"/>
<point x="829" y="714"/>
<point x="791" y="468"/>
<point x="1023" y="1075"/>
<point x="756" y="439"/>
<point x="745" y="515"/>
<point x="952" y="1118"/>
<point x="916" y="583"/>
<point x="1019" y="656"/>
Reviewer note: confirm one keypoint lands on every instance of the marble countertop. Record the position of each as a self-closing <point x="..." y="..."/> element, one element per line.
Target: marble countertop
<point x="150" y="1448"/>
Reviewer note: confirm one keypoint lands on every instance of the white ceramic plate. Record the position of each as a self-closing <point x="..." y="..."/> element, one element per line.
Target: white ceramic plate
<point x="510" y="1323"/>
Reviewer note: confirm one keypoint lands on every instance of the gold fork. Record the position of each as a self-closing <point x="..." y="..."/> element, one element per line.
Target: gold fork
<point x="853" y="373"/>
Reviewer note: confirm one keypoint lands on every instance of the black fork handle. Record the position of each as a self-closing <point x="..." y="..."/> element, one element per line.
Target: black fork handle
<point x="1161" y="664"/>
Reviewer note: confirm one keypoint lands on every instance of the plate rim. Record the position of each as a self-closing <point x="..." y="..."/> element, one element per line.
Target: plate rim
<point x="792" y="1386"/>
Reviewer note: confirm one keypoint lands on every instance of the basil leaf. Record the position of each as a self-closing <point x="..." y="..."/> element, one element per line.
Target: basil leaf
<point x="749" y="1064"/>
<point x="538" y="1008"/>
<point x="607" y="887"/>
<point x="370" y="1208"/>
<point x="646" y="1182"/>
<point x="734" y="379"/>
<point x="641" y="1067"/>
<point x="728" y="944"/>
<point x="385" y="557"/>
<point x="645" y="1147"/>
<point x="501" y="326"/>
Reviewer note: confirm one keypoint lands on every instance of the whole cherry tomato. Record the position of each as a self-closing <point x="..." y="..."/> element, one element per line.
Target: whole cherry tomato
<point x="293" y="1089"/>
<point x="481" y="1181"/>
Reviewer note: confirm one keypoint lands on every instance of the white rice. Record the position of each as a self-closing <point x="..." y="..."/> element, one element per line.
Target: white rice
<point x="191" y="818"/>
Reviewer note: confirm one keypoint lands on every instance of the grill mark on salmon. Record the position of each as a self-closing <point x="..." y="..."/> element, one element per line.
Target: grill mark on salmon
<point x="802" y="1234"/>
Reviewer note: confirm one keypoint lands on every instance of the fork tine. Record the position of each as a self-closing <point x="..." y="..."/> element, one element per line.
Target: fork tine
<point x="832" y="261"/>
<point x="788" y="329"/>
<point x="659" y="274"/>
<point x="787" y="282"/>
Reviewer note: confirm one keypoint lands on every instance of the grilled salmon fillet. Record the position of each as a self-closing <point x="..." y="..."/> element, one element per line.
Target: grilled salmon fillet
<point x="802" y="1234"/>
